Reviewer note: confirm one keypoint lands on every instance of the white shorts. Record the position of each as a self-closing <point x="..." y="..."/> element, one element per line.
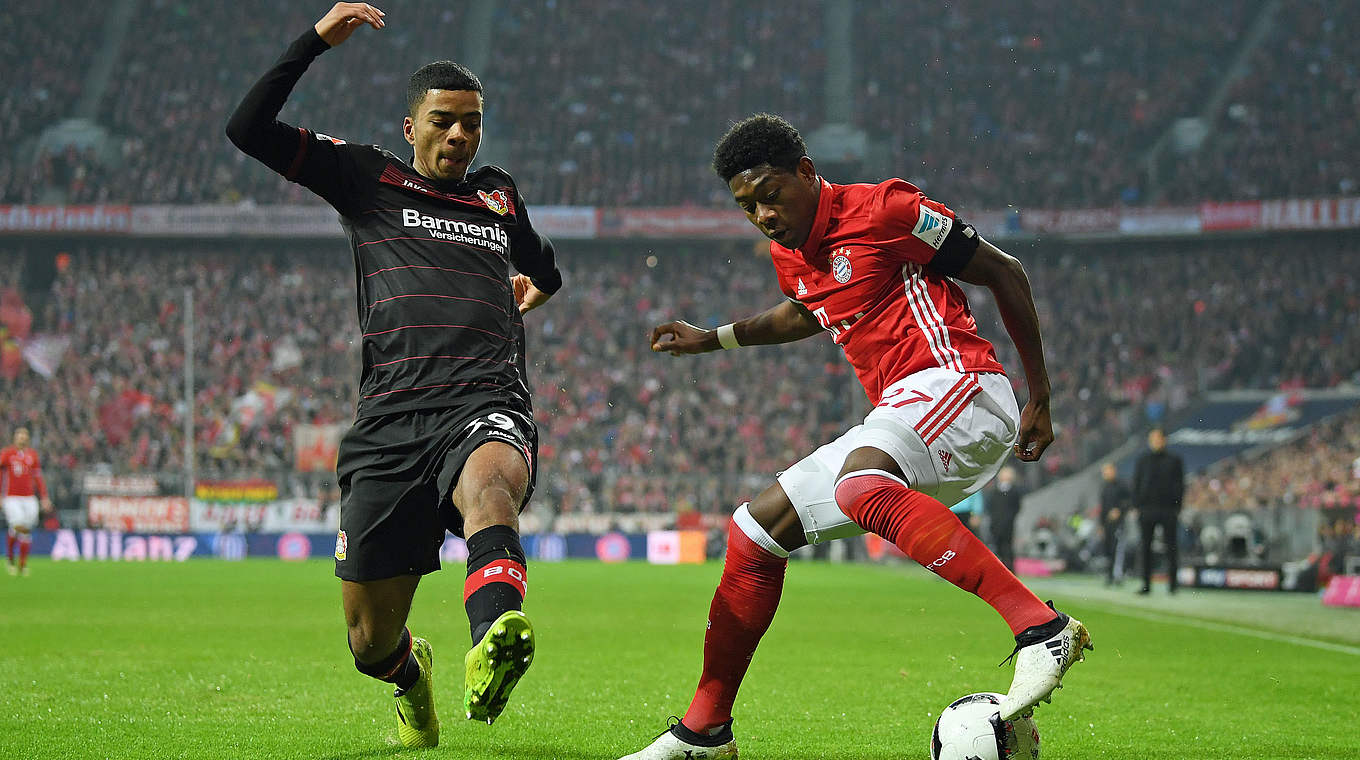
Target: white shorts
<point x="21" y="511"/>
<point x="948" y="432"/>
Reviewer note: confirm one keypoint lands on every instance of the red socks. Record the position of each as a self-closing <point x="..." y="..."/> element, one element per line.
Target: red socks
<point x="25" y="543"/>
<point x="925" y="530"/>
<point x="753" y="579"/>
<point x="10" y="540"/>
<point x="742" y="609"/>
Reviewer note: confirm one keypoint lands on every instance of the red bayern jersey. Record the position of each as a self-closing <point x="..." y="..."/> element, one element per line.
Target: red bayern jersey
<point x="864" y="273"/>
<point x="20" y="472"/>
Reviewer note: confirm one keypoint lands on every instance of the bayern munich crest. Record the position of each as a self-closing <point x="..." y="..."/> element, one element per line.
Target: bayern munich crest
<point x="840" y="266"/>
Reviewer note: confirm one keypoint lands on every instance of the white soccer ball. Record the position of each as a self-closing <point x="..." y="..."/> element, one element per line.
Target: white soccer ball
<point x="971" y="728"/>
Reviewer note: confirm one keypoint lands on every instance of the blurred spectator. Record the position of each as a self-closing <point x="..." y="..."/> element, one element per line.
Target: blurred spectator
<point x="1115" y="501"/>
<point x="1003" y="505"/>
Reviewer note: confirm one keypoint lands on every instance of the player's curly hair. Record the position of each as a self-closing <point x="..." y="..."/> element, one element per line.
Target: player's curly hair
<point x="439" y="75"/>
<point x="756" y="140"/>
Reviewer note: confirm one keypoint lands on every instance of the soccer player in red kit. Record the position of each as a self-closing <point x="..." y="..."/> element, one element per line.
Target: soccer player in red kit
<point x="871" y="265"/>
<point x="21" y="486"/>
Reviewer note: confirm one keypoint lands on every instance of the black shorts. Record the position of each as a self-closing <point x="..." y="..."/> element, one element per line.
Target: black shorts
<point x="397" y="473"/>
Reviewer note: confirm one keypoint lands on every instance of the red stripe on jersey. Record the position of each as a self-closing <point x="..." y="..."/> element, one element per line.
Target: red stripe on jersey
<point x="443" y="356"/>
<point x="394" y="176"/>
<point x="438" y="295"/>
<point x="412" y="327"/>
<point x="296" y="166"/>
<point x="500" y="571"/>
<point x="424" y="388"/>
<point x="424" y="239"/>
<point x="441" y="269"/>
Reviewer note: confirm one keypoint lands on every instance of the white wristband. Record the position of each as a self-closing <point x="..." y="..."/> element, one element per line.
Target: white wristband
<point x="727" y="336"/>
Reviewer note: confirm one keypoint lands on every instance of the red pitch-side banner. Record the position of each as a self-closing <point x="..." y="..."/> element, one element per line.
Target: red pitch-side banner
<point x="1237" y="215"/>
<point x="140" y="514"/>
<point x="99" y="218"/>
<point x="1314" y="214"/>
<point x="1290" y="214"/>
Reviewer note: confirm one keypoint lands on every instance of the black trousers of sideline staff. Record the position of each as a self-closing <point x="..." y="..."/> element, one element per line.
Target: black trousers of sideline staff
<point x="1170" y="522"/>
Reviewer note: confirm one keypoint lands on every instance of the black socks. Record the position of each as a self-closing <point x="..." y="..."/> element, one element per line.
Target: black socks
<point x="496" y="577"/>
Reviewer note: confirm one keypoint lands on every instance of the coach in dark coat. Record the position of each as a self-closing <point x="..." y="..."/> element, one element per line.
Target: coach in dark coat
<point x="1158" y="490"/>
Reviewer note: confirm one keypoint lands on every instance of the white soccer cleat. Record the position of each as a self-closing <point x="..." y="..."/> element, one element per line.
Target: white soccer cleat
<point x="679" y="743"/>
<point x="1040" y="662"/>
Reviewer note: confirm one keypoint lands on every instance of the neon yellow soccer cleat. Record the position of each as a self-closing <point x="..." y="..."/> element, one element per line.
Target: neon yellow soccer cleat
<point x="496" y="664"/>
<point x="417" y="724"/>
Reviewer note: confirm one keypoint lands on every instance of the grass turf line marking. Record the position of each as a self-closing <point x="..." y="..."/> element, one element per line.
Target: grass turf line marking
<point x="1209" y="625"/>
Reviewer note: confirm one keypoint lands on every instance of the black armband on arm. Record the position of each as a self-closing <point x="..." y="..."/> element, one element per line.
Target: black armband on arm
<point x="956" y="250"/>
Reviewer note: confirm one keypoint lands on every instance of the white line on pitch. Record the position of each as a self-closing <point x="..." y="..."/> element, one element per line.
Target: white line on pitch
<point x="1225" y="628"/>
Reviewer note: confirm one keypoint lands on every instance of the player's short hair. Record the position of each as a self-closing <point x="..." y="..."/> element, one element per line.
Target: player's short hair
<point x="755" y="141"/>
<point x="439" y="75"/>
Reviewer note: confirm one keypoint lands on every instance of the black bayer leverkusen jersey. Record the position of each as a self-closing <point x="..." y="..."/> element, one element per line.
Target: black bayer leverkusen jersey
<point x="437" y="313"/>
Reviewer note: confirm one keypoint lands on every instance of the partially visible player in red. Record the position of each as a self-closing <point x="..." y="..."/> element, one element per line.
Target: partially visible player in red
<point x="872" y="265"/>
<point x="21" y="486"/>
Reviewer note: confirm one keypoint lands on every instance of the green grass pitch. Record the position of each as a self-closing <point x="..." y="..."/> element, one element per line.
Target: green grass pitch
<point x="211" y="659"/>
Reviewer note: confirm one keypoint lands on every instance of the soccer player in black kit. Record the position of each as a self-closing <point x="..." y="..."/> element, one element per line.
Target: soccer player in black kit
<point x="444" y="435"/>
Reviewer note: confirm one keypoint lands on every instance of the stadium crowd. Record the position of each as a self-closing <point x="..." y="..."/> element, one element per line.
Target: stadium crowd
<point x="1247" y="498"/>
<point x="1008" y="104"/>
<point x="38" y="90"/>
<point x="1288" y="130"/>
<point x="1132" y="334"/>
<point x="1319" y="471"/>
<point x="264" y="324"/>
<point x="989" y="105"/>
<point x="641" y="134"/>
